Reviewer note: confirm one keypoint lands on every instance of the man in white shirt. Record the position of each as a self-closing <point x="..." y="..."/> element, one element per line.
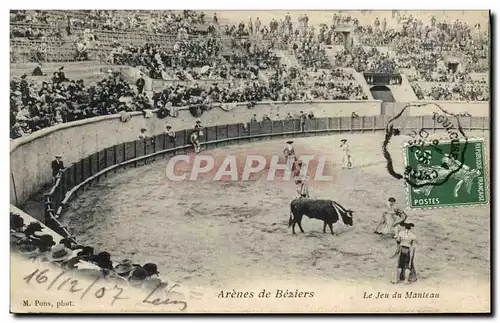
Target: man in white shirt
<point x="289" y="153"/>
<point x="346" y="158"/>
<point x="302" y="189"/>
<point x="386" y="222"/>
<point x="170" y="133"/>
<point x="144" y="134"/>
<point x="406" y="250"/>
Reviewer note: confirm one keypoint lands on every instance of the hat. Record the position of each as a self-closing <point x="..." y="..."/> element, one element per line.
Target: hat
<point x="408" y="225"/>
<point x="33" y="227"/>
<point x="125" y="266"/>
<point x="198" y="121"/>
<point x="58" y="156"/>
<point x="16" y="221"/>
<point x="59" y="253"/>
<point x="46" y="241"/>
<point x="169" y="126"/>
<point x="66" y="242"/>
<point x="138" y="274"/>
<point x="343" y="140"/>
<point x="102" y="256"/>
<point x="143" y="129"/>
<point x="290" y="142"/>
<point x="151" y="268"/>
<point x="27" y="248"/>
<point x="61" y="68"/>
<point x="392" y="199"/>
<point x="86" y="251"/>
<point x="16" y="235"/>
<point x="23" y="76"/>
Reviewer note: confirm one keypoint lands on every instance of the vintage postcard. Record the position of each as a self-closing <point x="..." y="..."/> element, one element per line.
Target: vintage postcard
<point x="250" y="161"/>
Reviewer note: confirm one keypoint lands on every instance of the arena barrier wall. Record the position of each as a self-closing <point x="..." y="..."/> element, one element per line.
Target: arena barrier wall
<point x="93" y="167"/>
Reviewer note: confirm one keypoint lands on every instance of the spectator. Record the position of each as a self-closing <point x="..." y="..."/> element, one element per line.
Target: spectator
<point x="32" y="229"/>
<point x="103" y="260"/>
<point x="44" y="245"/>
<point x="144" y="134"/>
<point x="140" y="83"/>
<point x="124" y="268"/>
<point x="152" y="269"/>
<point x="27" y="248"/>
<point x="60" y="76"/>
<point x="198" y="127"/>
<point x="59" y="254"/>
<point x="57" y="167"/>
<point x="38" y="71"/>
<point x="16" y="222"/>
<point x="137" y="277"/>
<point x="170" y="133"/>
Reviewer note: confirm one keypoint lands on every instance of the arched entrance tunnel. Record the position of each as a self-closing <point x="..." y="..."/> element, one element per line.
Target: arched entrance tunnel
<point x="382" y="93"/>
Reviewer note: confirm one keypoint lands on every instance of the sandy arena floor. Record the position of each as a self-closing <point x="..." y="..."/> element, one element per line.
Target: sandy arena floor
<point x="208" y="232"/>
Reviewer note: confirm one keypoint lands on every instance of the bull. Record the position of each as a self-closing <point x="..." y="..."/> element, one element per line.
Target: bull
<point x="326" y="210"/>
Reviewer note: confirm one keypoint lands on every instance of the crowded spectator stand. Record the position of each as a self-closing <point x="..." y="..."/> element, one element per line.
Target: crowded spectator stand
<point x="59" y="100"/>
<point x="37" y="243"/>
<point x="233" y="63"/>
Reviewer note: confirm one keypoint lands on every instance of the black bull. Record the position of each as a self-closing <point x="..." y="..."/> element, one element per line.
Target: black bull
<point x="326" y="210"/>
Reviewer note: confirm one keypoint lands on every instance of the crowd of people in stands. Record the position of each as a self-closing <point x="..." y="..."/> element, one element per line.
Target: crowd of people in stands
<point x="452" y="92"/>
<point x="33" y="242"/>
<point x="444" y="76"/>
<point x="163" y="22"/>
<point x="235" y="75"/>
<point x="34" y="25"/>
<point x="35" y="106"/>
<point x="371" y="60"/>
<point x="294" y="84"/>
<point x="309" y="53"/>
<point x="157" y="60"/>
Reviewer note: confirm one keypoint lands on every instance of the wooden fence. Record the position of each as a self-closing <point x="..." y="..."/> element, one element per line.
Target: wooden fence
<point x="91" y="169"/>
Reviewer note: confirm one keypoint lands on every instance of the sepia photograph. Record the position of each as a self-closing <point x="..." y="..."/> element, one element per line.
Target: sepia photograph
<point x="250" y="161"/>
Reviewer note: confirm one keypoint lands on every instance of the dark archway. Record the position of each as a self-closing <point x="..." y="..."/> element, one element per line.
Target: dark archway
<point x="382" y="93"/>
<point x="453" y="67"/>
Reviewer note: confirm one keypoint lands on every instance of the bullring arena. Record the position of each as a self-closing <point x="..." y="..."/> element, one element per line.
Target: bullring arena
<point x="215" y="233"/>
<point x="114" y="195"/>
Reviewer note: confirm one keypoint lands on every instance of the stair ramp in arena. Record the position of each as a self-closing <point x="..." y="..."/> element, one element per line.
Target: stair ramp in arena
<point x="287" y="58"/>
<point x="403" y="92"/>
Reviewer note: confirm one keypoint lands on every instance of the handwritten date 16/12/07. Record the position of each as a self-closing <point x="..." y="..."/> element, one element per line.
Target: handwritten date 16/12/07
<point x="61" y="283"/>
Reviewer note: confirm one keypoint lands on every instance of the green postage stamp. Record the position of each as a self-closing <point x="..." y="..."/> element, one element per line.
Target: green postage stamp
<point x="448" y="173"/>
